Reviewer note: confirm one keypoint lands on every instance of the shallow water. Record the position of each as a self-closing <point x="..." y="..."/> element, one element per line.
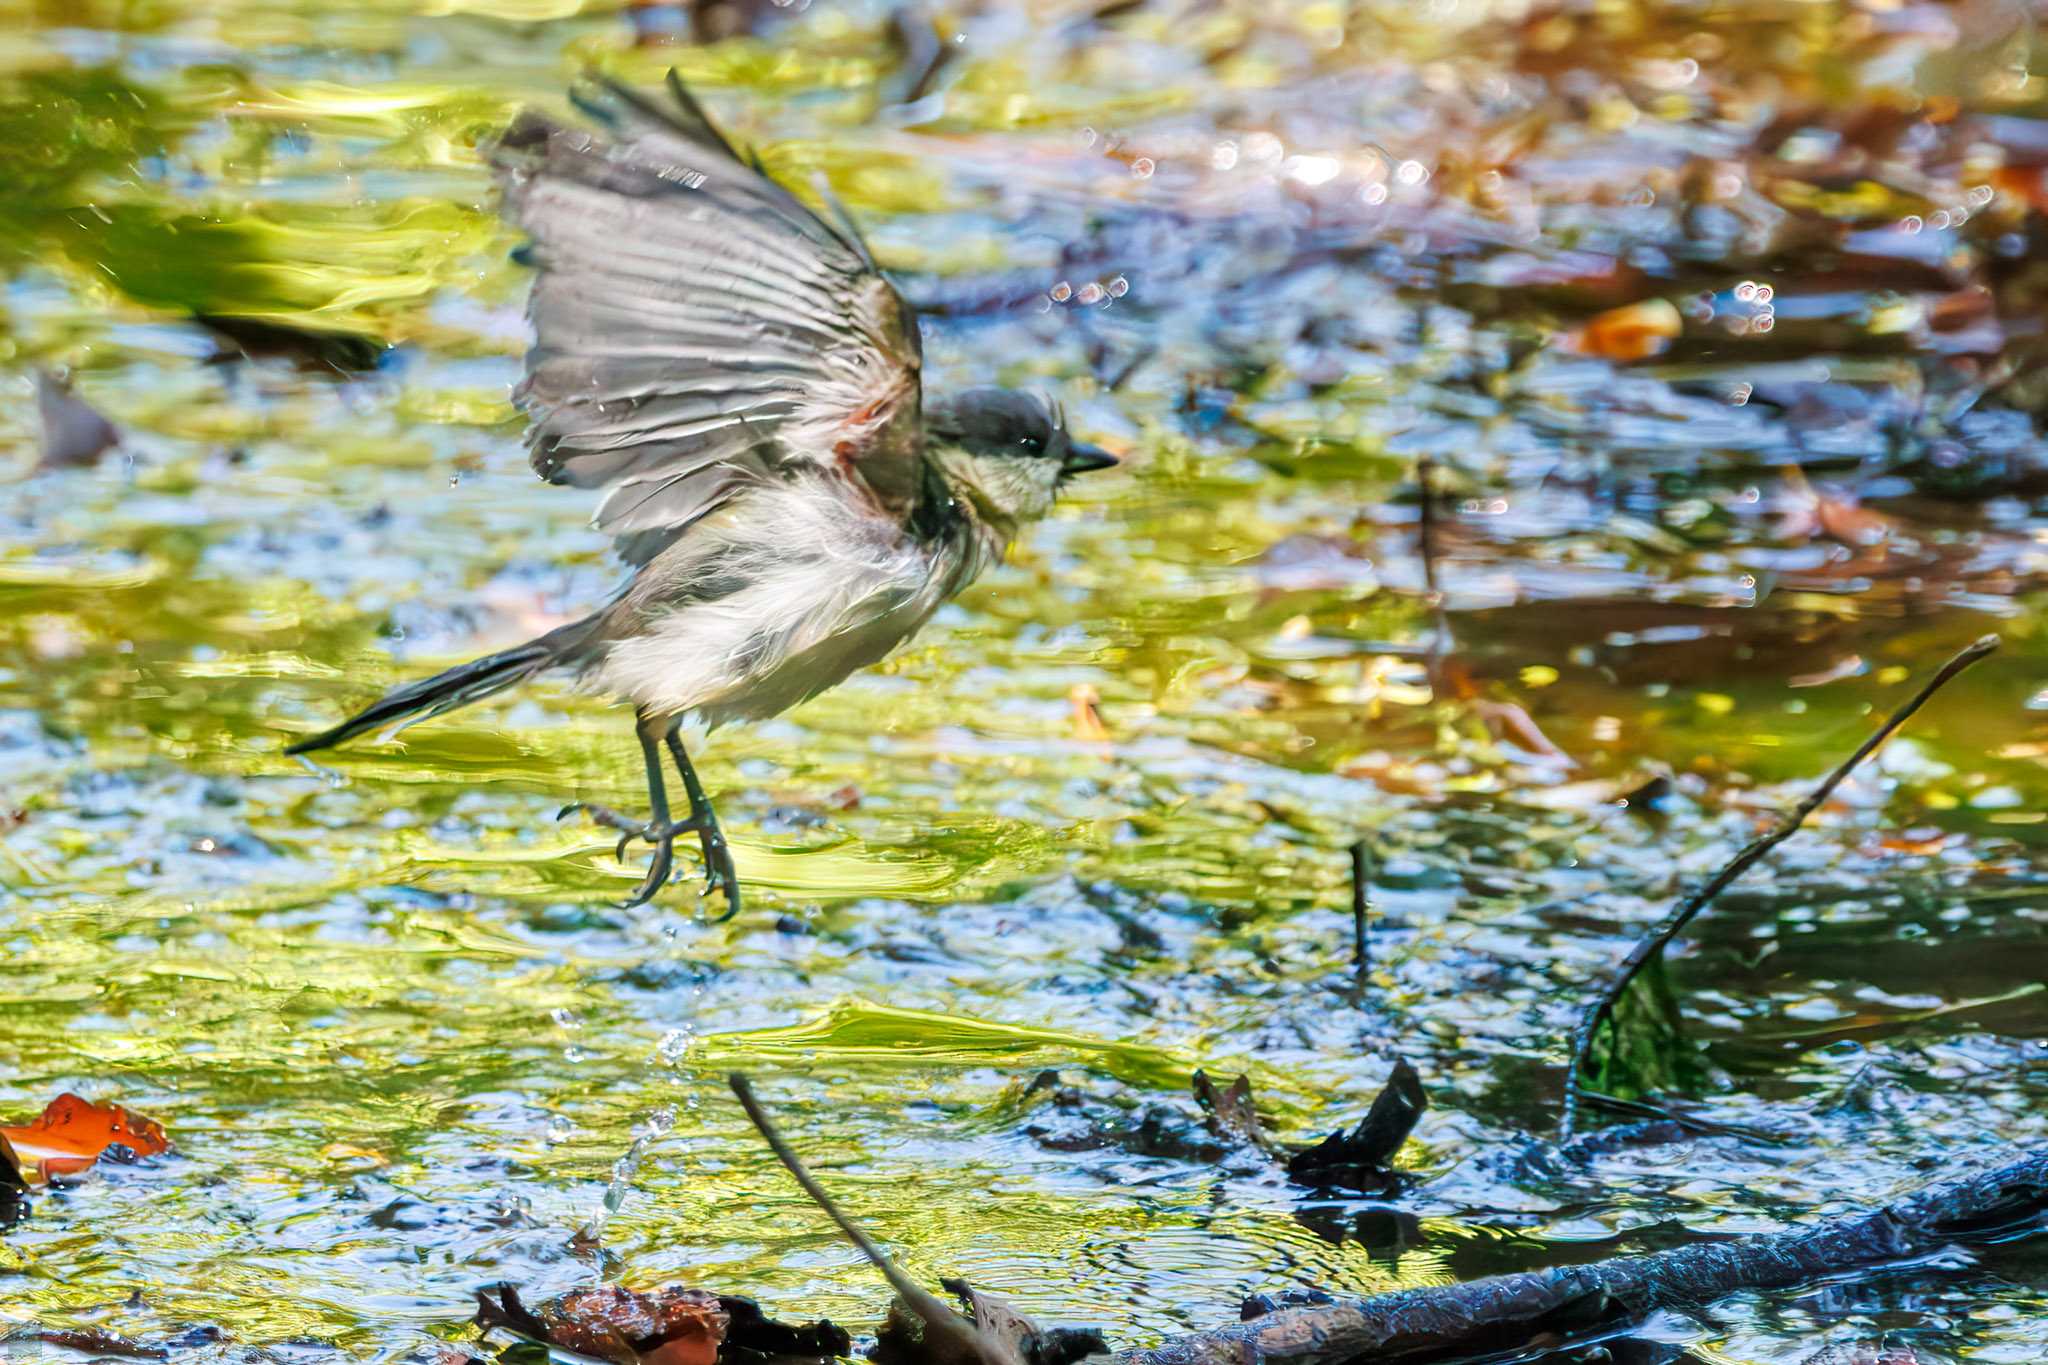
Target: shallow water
<point x="385" y="1006"/>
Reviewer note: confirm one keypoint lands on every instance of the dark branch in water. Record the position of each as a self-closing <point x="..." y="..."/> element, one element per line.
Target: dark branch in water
<point x="1509" y="1313"/>
<point x="1440" y="641"/>
<point x="962" y="1339"/>
<point x="1653" y="944"/>
<point x="1361" y="877"/>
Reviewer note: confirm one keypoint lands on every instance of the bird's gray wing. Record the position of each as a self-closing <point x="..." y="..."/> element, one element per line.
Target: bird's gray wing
<point x="695" y="325"/>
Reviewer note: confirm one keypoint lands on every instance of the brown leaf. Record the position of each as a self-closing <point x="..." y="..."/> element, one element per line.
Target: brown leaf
<point x="1231" y="1112"/>
<point x="73" y="1132"/>
<point x="1087" y="718"/>
<point x="671" y="1326"/>
<point x="995" y="1315"/>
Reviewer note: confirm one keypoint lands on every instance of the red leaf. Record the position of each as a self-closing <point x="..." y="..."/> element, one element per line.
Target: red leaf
<point x="73" y="1132"/>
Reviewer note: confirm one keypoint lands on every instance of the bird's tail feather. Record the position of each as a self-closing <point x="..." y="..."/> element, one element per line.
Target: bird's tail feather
<point x="456" y="687"/>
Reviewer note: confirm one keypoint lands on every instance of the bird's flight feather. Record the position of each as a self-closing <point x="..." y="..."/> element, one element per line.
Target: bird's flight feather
<point x="697" y="328"/>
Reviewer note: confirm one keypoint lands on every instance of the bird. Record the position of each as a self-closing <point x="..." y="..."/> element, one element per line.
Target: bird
<point x="743" y="384"/>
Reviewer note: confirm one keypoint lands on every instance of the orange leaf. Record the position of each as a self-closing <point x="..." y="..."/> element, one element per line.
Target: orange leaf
<point x="1087" y="720"/>
<point x="73" y="1132"/>
<point x="1636" y="331"/>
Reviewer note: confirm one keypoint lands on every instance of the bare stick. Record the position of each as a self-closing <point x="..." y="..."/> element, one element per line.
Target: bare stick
<point x="1361" y="873"/>
<point x="1425" y="536"/>
<point x="938" y="1318"/>
<point x="1650" y="946"/>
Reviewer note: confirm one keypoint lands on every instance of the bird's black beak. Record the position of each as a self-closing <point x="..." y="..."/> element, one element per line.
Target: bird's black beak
<point x="1082" y="458"/>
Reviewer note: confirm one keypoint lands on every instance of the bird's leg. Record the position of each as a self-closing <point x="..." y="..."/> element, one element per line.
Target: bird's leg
<point x="718" y="868"/>
<point x="658" y="829"/>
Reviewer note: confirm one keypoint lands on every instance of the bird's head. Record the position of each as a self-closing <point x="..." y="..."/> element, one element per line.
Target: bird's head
<point x="1007" y="452"/>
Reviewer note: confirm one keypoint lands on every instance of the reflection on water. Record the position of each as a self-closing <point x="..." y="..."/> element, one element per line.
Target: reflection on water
<point x="1717" y="325"/>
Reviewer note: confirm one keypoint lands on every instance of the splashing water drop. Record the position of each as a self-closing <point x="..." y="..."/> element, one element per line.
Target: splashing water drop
<point x="657" y="1126"/>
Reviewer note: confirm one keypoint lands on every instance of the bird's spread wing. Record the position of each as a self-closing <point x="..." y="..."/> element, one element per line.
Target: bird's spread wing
<point x="697" y="327"/>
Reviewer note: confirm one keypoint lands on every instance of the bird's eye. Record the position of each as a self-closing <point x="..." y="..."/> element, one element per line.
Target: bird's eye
<point x="1032" y="444"/>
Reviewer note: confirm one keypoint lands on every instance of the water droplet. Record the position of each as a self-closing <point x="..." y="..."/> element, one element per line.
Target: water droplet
<point x="1119" y="287"/>
<point x="1091" y="292"/>
<point x="1746" y="291"/>
<point x="1061" y="292"/>
<point x="1910" y="223"/>
<point x="1374" y="194"/>
<point x="1411" y="173"/>
<point x="1142" y="168"/>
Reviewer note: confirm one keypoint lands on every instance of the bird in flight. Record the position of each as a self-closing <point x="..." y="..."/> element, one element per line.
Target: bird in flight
<point x="742" y="383"/>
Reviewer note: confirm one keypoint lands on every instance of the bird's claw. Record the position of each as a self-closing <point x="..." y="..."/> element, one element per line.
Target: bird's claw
<point x="719" y="874"/>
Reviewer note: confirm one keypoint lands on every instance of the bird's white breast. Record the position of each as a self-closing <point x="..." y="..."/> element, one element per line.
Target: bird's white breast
<point x="826" y="587"/>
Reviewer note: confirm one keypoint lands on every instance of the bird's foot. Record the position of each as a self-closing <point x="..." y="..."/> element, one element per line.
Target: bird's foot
<point x="719" y="873"/>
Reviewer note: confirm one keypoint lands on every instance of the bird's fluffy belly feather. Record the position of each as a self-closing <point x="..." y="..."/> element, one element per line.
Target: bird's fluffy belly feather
<point x="809" y="590"/>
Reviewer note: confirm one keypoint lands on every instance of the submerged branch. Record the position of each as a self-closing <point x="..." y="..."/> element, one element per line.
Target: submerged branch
<point x="1601" y="1011"/>
<point x="1511" y="1312"/>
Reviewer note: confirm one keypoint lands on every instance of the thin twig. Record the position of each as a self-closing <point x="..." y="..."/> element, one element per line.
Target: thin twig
<point x="1440" y="621"/>
<point x="938" y="1318"/>
<point x="1652" y="945"/>
<point x="1361" y="875"/>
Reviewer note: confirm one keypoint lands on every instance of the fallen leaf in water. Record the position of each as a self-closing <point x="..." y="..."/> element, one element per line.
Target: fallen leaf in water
<point x="1087" y="720"/>
<point x="1836" y="515"/>
<point x="74" y="433"/>
<point x="1635" y="331"/>
<point x="1004" y="1331"/>
<point x="1361" y="1158"/>
<point x="1508" y="721"/>
<point x="1848" y="666"/>
<point x="1231" y="1113"/>
<point x="98" y="1343"/>
<point x="73" y="1132"/>
<point x="1871" y="1353"/>
<point x="670" y="1326"/>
